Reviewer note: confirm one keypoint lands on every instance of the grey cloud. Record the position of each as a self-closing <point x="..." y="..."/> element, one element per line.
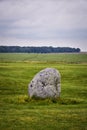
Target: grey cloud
<point x="43" y="19"/>
<point x="46" y="13"/>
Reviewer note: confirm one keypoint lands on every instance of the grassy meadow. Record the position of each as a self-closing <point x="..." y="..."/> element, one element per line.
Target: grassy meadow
<point x="19" y="112"/>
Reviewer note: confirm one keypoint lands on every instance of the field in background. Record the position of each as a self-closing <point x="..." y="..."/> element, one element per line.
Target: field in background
<point x="55" y="57"/>
<point x="17" y="111"/>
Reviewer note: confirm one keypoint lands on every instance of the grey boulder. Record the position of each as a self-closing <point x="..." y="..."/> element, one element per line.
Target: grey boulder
<point x="45" y="84"/>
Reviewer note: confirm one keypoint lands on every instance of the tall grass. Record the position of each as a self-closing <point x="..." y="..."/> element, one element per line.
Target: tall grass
<point x="18" y="111"/>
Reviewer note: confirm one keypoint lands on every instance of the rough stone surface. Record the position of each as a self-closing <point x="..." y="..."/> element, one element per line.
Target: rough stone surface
<point x="45" y="84"/>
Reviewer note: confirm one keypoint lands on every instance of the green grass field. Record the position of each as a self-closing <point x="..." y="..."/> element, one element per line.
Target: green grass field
<point x="19" y="112"/>
<point x="63" y="58"/>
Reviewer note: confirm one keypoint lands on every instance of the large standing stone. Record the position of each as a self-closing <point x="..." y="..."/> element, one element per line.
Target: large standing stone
<point x="45" y="84"/>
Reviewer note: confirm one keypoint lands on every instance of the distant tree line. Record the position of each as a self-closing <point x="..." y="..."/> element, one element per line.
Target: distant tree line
<point x="18" y="49"/>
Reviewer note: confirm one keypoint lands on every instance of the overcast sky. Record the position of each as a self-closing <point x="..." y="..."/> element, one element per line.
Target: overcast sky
<point x="60" y="23"/>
